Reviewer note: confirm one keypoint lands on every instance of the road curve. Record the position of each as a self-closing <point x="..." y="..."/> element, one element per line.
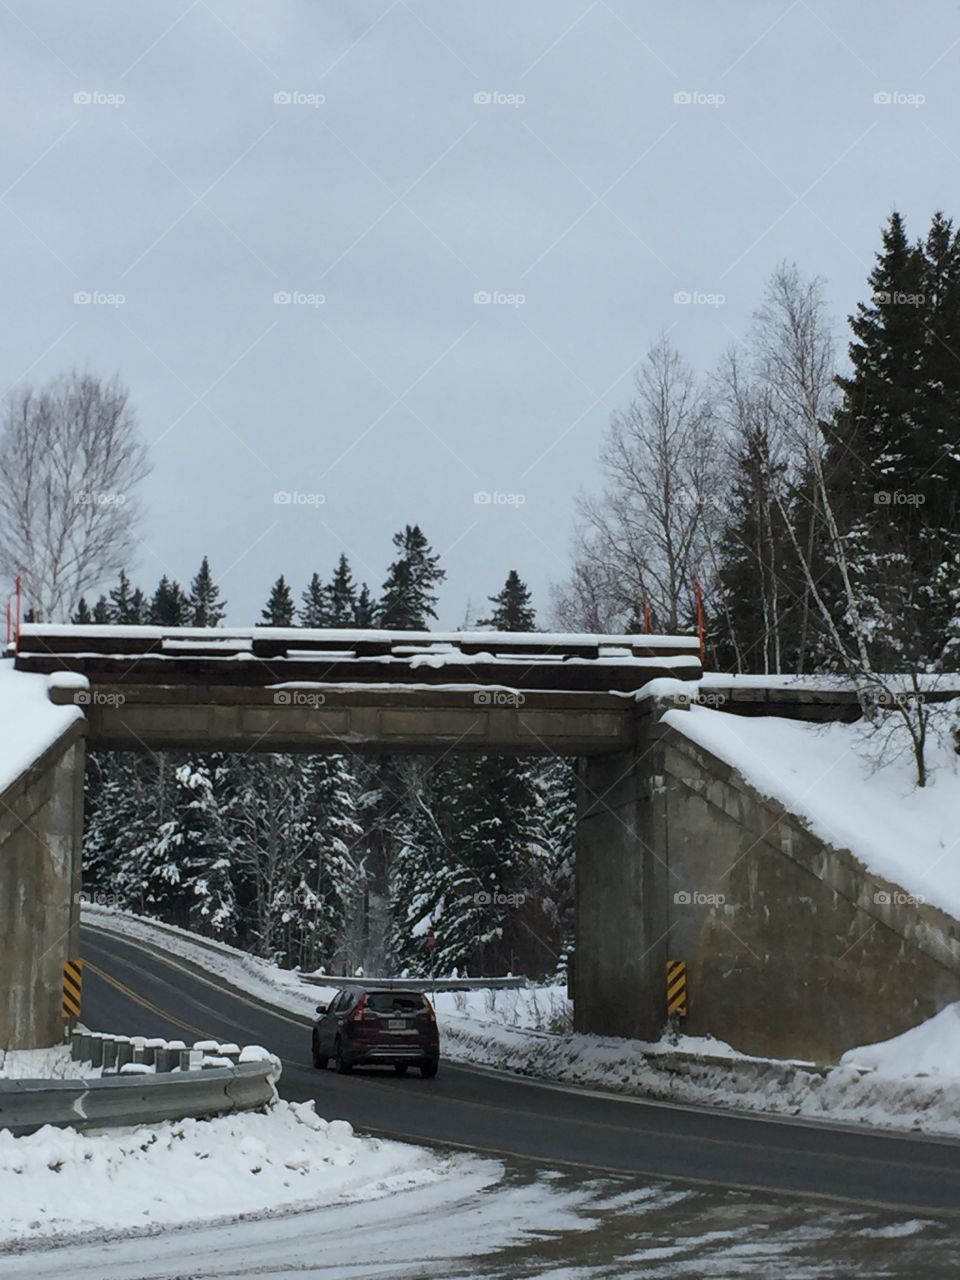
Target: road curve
<point x="131" y="990"/>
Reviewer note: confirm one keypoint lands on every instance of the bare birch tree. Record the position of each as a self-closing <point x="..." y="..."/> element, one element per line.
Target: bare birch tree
<point x="70" y="462"/>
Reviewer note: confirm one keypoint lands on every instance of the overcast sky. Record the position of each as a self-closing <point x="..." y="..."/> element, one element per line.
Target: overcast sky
<point x="430" y="151"/>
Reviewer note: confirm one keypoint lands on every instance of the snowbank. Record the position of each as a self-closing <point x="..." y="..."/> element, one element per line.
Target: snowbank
<point x="39" y="1064"/>
<point x="932" y="1048"/>
<point x="903" y="833"/>
<point x="30" y="721"/>
<point x="58" y="1181"/>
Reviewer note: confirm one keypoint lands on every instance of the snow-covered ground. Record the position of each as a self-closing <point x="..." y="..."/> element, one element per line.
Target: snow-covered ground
<point x="58" y="1181"/>
<point x="31" y="723"/>
<point x="825" y="774"/>
<point x="39" y="1064"/>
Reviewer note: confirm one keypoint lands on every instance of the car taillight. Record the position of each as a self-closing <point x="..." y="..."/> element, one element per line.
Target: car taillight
<point x="356" y="1013"/>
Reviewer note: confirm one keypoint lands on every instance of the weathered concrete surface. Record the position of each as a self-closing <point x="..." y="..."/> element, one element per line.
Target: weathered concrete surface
<point x="621" y="887"/>
<point x="793" y="948"/>
<point x="41" y="828"/>
<point x="134" y="717"/>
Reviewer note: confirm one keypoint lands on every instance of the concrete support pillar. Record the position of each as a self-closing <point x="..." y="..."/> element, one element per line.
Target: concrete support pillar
<point x="41" y="847"/>
<point x="621" y="907"/>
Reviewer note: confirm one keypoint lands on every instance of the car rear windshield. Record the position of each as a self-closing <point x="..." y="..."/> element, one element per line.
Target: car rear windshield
<point x="395" y="1002"/>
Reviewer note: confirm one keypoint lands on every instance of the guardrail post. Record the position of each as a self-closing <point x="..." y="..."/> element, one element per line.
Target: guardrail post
<point x="230" y="1051"/>
<point x="75" y="1044"/>
<point x="138" y="1044"/>
<point x="150" y="1050"/>
<point x="96" y="1049"/>
<point x="124" y="1052"/>
<point x="109" y="1062"/>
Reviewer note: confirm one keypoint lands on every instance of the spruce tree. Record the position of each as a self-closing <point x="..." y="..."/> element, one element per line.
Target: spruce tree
<point x="512" y="610"/>
<point x="342" y="596"/>
<point x="102" y="612"/>
<point x="314" y="609"/>
<point x="169" y="606"/>
<point x="365" y="609"/>
<point x="128" y="605"/>
<point x="82" y="615"/>
<point x="409" y="592"/>
<point x="279" y="611"/>
<point x="206" y="607"/>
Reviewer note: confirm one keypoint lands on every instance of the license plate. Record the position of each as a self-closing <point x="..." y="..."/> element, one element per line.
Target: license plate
<point x="397" y="1024"/>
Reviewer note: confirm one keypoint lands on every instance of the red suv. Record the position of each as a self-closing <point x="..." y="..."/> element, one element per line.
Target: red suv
<point x="361" y="1027"/>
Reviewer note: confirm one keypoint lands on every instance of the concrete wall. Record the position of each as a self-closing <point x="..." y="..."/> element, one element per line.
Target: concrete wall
<point x="795" y="956"/>
<point x="41" y="825"/>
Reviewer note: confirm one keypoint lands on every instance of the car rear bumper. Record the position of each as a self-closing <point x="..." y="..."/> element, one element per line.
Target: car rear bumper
<point x="358" y="1054"/>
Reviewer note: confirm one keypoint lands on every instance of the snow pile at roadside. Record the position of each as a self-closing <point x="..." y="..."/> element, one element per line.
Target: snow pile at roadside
<point x="710" y="1073"/>
<point x="31" y="722"/>
<point x="932" y="1048"/>
<point x="823" y="773"/>
<point x="39" y="1064"/>
<point x="58" y="1181"/>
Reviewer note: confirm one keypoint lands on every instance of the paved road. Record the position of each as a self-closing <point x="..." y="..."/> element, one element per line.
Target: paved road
<point x="137" y="993"/>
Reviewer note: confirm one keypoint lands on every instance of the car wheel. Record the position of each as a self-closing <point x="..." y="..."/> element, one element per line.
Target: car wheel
<point x="319" y="1061"/>
<point x="400" y="1068"/>
<point x="428" y="1069"/>
<point x="343" y="1066"/>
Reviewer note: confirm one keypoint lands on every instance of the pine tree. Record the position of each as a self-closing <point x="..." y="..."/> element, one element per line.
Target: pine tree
<point x="279" y="611"/>
<point x="102" y="612"/>
<point x="82" y="615"/>
<point x="128" y="605"/>
<point x="314" y="609"/>
<point x="169" y="606"/>
<point x="342" y="596"/>
<point x="365" y="610"/>
<point x="206" y="607"/>
<point x="409" y="592"/>
<point x="512" y="608"/>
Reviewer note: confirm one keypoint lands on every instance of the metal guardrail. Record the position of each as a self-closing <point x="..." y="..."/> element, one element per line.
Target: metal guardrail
<point x="416" y="984"/>
<point x="143" y="1082"/>
<point x="28" y="1105"/>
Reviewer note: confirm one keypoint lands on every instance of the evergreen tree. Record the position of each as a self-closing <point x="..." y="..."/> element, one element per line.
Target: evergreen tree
<point x="342" y="596"/>
<point x="102" y="612"/>
<point x="206" y="607"/>
<point x="279" y="611"/>
<point x="82" y="615"/>
<point x="314" y="610"/>
<point x="365" y="610"/>
<point x="409" y="592"/>
<point x="169" y="606"/>
<point x="128" y="606"/>
<point x="512" y="608"/>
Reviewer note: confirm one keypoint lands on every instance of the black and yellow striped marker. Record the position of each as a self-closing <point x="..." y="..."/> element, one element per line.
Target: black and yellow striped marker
<point x="72" y="988"/>
<point x="676" y="988"/>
